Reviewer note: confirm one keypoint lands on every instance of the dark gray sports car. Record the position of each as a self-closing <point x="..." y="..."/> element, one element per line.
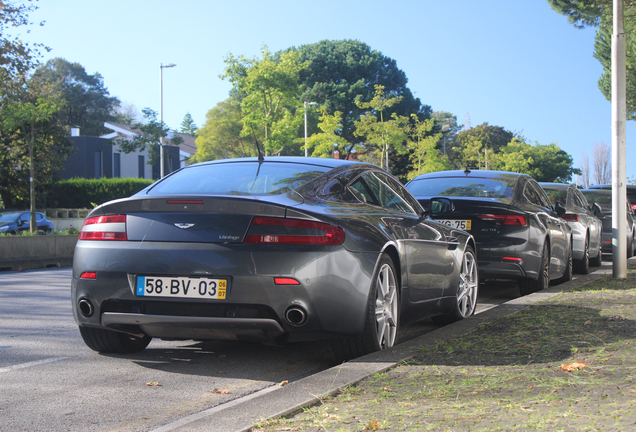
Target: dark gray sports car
<point x="282" y="249"/>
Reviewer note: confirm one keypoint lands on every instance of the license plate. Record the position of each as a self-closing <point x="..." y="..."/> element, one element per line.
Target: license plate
<point x="455" y="223"/>
<point x="181" y="287"/>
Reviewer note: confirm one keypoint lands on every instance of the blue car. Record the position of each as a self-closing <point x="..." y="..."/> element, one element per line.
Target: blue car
<point x="16" y="222"/>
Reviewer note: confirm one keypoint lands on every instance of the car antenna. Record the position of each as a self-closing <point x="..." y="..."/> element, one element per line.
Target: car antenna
<point x="466" y="171"/>
<point x="261" y="158"/>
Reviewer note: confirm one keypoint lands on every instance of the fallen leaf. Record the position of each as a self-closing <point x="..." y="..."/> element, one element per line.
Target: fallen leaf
<point x="386" y="388"/>
<point x="153" y="384"/>
<point x="530" y="387"/>
<point x="474" y="393"/>
<point x="283" y="383"/>
<point x="223" y="355"/>
<point x="588" y="322"/>
<point x="574" y="366"/>
<point x="616" y="318"/>
<point x="222" y="391"/>
<point x="222" y="372"/>
<point x="373" y="425"/>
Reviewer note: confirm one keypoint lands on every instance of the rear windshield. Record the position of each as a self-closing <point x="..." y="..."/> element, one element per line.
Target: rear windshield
<point x="463" y="187"/>
<point x="602" y="198"/>
<point x="238" y="178"/>
<point x="556" y="195"/>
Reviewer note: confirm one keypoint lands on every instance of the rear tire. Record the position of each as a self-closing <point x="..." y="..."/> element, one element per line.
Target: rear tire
<point x="529" y="286"/>
<point x="381" y="324"/>
<point x="583" y="265"/>
<point x="630" y="248"/>
<point x="112" y="342"/>
<point x="567" y="274"/>
<point x="597" y="261"/>
<point x="466" y="296"/>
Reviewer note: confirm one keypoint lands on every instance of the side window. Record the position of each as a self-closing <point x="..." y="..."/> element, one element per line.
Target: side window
<point x="362" y="191"/>
<point x="543" y="198"/>
<point x="401" y="200"/>
<point x="531" y="194"/>
<point x="373" y="188"/>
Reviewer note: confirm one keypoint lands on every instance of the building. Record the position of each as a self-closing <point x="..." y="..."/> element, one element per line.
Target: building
<point x="97" y="157"/>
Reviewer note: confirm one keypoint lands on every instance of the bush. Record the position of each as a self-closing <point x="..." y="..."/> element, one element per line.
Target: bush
<point x="86" y="193"/>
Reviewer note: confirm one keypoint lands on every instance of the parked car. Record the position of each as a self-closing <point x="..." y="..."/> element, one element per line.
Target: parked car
<point x="18" y="221"/>
<point x="631" y="192"/>
<point x="603" y="198"/>
<point x="519" y="233"/>
<point x="586" y="227"/>
<point x="286" y="249"/>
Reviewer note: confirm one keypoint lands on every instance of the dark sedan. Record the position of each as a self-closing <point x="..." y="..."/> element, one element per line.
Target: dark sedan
<point x="283" y="250"/>
<point x="519" y="233"/>
<point x="603" y="197"/>
<point x="631" y="192"/>
<point x="17" y="222"/>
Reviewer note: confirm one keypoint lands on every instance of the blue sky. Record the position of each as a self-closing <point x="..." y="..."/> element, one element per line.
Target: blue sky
<point x="511" y="63"/>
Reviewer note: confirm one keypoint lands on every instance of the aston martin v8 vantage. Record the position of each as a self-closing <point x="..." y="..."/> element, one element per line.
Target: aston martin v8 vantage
<point x="278" y="249"/>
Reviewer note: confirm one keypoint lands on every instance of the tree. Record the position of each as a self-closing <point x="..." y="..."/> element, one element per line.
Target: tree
<point x="381" y="135"/>
<point x="187" y="125"/>
<point x="425" y="157"/>
<point x="341" y="73"/>
<point x="127" y="114"/>
<point x="545" y="163"/>
<point x="584" y="166"/>
<point x="16" y="57"/>
<point x="270" y="103"/>
<point x="599" y="13"/>
<point x="88" y="103"/>
<point x="328" y="140"/>
<point x="602" y="169"/>
<point x="149" y="134"/>
<point x="220" y="137"/>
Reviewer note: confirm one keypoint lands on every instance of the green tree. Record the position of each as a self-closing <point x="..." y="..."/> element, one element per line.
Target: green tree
<point x="17" y="58"/>
<point x="328" y="140"/>
<point x="425" y="156"/>
<point x="188" y="126"/>
<point x="599" y="13"/>
<point x="343" y="72"/>
<point x="270" y="103"/>
<point x="88" y="103"/>
<point x="546" y="163"/>
<point x="220" y="137"/>
<point x="18" y="115"/>
<point x="381" y="134"/>
<point x="150" y="133"/>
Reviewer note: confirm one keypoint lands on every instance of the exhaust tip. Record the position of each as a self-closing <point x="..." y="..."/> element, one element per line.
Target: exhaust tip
<point x="296" y="316"/>
<point x="85" y="307"/>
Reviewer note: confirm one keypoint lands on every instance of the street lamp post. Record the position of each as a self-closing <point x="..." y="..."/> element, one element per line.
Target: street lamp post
<point x="307" y="103"/>
<point x="161" y="156"/>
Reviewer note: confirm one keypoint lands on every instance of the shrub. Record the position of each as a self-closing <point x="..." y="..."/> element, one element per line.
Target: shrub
<point x="87" y="193"/>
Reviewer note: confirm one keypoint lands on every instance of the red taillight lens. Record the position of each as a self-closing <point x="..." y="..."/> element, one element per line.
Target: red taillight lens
<point x="88" y="275"/>
<point x="285" y="281"/>
<point x="111" y="227"/>
<point x="508" y="219"/>
<point x="331" y="234"/>
<point x="571" y="217"/>
<point x="633" y="207"/>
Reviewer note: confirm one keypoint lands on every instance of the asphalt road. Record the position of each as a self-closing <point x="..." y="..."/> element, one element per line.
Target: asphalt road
<point x="50" y="381"/>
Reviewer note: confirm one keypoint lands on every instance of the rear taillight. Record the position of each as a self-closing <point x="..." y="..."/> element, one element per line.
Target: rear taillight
<point x="271" y="230"/>
<point x="104" y="228"/>
<point x="633" y="207"/>
<point x="508" y="219"/>
<point x="571" y="217"/>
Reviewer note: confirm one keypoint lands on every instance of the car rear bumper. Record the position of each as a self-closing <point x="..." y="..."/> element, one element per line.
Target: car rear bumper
<point x="332" y="292"/>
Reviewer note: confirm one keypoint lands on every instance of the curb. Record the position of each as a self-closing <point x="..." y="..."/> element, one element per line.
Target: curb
<point x="241" y="414"/>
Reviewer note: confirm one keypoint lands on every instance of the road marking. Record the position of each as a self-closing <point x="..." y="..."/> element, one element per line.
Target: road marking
<point x="33" y="363"/>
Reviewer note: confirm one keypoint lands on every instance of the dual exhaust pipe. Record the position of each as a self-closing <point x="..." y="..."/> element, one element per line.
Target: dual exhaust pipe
<point x="295" y="315"/>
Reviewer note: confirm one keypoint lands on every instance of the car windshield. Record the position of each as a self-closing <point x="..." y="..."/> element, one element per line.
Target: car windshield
<point x="463" y="187"/>
<point x="600" y="197"/>
<point x="8" y="217"/>
<point x="238" y="178"/>
<point x="557" y="195"/>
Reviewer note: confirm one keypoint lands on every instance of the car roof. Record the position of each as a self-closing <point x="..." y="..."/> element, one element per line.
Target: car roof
<point x="325" y="162"/>
<point x="470" y="173"/>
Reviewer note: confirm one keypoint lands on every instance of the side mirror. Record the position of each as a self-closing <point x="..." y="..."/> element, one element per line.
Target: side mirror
<point x="596" y="209"/>
<point x="559" y="208"/>
<point x="440" y="205"/>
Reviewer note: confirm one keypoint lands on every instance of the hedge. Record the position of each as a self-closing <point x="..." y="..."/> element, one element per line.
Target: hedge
<point x="88" y="193"/>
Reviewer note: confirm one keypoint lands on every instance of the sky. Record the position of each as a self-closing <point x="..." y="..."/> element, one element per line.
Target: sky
<point x="510" y="63"/>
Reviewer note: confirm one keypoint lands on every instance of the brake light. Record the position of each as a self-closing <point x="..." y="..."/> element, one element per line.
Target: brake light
<point x="508" y="219"/>
<point x="293" y="231"/>
<point x="285" y="281"/>
<point x="89" y="275"/>
<point x="111" y="227"/>
<point x="571" y="217"/>
<point x="633" y="207"/>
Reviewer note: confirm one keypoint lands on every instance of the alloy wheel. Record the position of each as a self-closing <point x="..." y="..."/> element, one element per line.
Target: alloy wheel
<point x="386" y="307"/>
